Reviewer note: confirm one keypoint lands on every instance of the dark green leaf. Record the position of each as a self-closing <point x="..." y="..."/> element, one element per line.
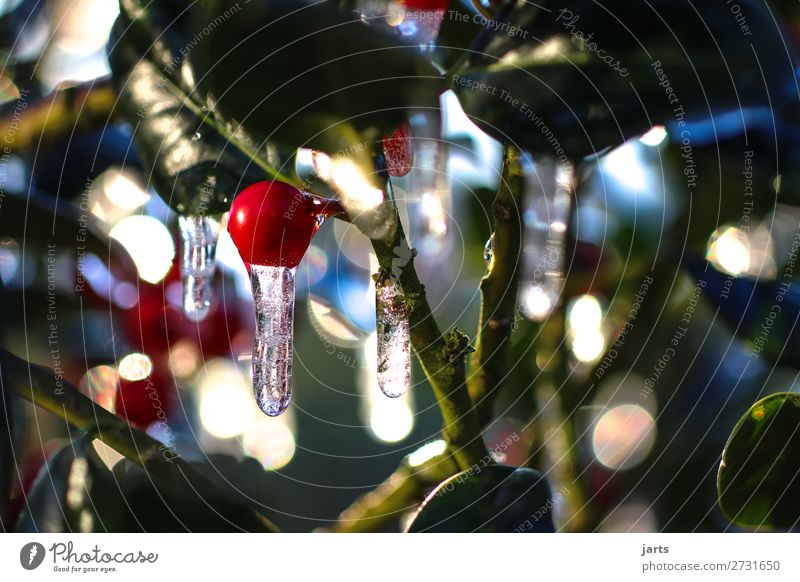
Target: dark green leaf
<point x="42" y="387"/>
<point x="759" y="477"/>
<point x="46" y="219"/>
<point x="307" y="73"/>
<point x="579" y="79"/>
<point x="247" y="76"/>
<point x="158" y="506"/>
<point x="495" y="498"/>
<point x="74" y="492"/>
<point x="196" y="161"/>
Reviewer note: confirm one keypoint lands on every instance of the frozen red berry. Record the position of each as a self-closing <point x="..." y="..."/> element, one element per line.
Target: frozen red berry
<point x="398" y="150"/>
<point x="272" y="223"/>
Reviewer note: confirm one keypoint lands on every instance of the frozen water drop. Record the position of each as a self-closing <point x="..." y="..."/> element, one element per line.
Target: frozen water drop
<point x="273" y="295"/>
<point x="394" y="338"/>
<point x="488" y="251"/>
<point x="196" y="136"/>
<point x="199" y="236"/>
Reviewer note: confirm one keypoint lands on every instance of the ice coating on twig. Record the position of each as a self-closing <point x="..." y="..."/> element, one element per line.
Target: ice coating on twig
<point x="273" y="295"/>
<point x="549" y="188"/>
<point x="488" y="251"/>
<point x="199" y="235"/>
<point x="394" y="337"/>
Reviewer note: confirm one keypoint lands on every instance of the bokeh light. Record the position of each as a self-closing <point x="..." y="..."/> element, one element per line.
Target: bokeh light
<point x="389" y="420"/>
<point x="623" y="436"/>
<point x="225" y="399"/>
<point x="149" y="244"/>
<point x="134" y="367"/>
<point x="729" y="251"/>
<point x="656" y="135"/>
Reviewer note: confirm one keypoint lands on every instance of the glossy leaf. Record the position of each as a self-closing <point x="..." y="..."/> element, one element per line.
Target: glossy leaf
<point x="74" y="492"/>
<point x="159" y="461"/>
<point x="196" y="162"/>
<point x="307" y="73"/>
<point x="494" y="498"/>
<point x="576" y="80"/>
<point x="158" y="506"/>
<point x="759" y="477"/>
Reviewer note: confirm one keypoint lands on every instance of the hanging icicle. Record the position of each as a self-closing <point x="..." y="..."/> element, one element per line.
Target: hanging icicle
<point x="273" y="297"/>
<point x="549" y="187"/>
<point x="429" y="187"/>
<point x="199" y="235"/>
<point x="394" y="336"/>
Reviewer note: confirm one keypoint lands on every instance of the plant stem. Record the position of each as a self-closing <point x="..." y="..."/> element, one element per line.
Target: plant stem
<point x="489" y="362"/>
<point x="443" y="357"/>
<point x="400" y="493"/>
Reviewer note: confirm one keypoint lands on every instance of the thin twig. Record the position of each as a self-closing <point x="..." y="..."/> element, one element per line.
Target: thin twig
<point x="443" y="357"/>
<point x="489" y="362"/>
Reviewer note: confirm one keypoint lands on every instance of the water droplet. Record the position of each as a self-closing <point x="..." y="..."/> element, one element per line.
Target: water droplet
<point x="488" y="251"/>
<point x="273" y="296"/>
<point x="199" y="236"/>
<point x="196" y="136"/>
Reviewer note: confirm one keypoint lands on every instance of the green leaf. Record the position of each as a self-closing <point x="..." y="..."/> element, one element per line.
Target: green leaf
<point x="196" y="161"/>
<point x="306" y="73"/>
<point x="49" y="220"/>
<point x="42" y="387"/>
<point x="577" y="80"/>
<point x="247" y="76"/>
<point x="759" y="477"/>
<point x="74" y="492"/>
<point x="494" y="498"/>
<point x="158" y="506"/>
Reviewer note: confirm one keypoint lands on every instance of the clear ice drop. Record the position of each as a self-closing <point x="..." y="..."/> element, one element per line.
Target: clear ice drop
<point x="199" y="236"/>
<point x="273" y="295"/>
<point x="549" y="188"/>
<point x="394" y="338"/>
<point x="488" y="251"/>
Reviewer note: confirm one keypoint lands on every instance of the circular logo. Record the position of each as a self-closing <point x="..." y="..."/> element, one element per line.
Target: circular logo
<point x="31" y="555"/>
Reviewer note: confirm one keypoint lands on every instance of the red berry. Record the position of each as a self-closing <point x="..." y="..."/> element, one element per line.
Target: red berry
<point x="426" y="4"/>
<point x="399" y="151"/>
<point x="272" y="223"/>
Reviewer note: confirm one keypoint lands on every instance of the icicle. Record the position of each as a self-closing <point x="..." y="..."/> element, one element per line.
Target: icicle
<point x="548" y="197"/>
<point x="394" y="336"/>
<point x="429" y="187"/>
<point x="273" y="295"/>
<point x="199" y="236"/>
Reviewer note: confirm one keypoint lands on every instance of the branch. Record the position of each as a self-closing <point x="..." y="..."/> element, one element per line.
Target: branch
<point x="398" y="494"/>
<point x="43" y="388"/>
<point x="489" y="362"/>
<point x="442" y="357"/>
